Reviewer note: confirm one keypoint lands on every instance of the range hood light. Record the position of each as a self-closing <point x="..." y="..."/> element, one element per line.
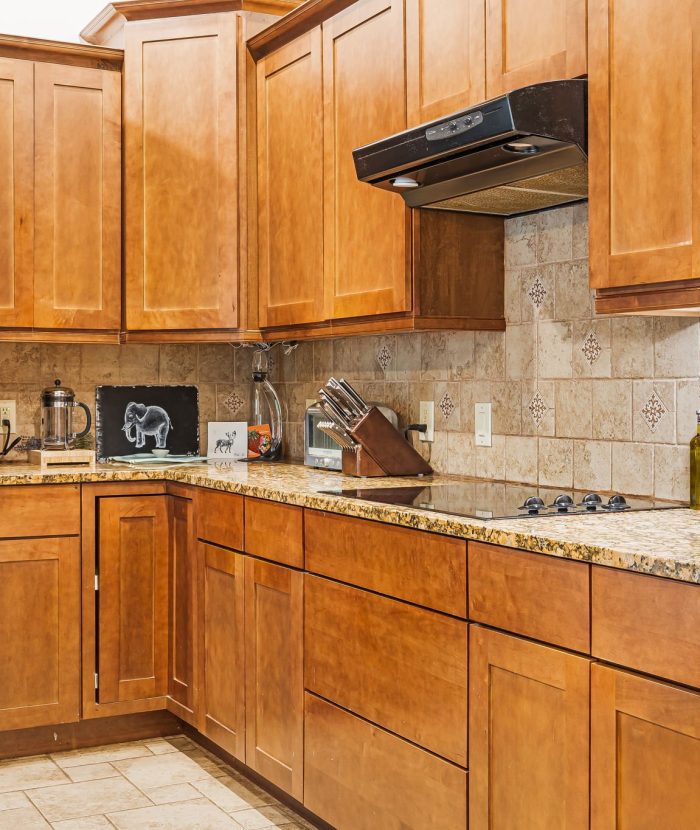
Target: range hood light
<point x="521" y="147"/>
<point x="404" y="183"/>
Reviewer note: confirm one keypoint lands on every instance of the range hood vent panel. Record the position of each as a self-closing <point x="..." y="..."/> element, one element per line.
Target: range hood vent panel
<point x="522" y="152"/>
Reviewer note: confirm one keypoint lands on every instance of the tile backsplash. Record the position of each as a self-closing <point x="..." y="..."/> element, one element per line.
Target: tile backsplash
<point x="578" y="400"/>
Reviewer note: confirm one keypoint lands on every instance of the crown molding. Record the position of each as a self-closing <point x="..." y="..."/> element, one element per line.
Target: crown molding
<point x="305" y="17"/>
<point x="56" y="51"/>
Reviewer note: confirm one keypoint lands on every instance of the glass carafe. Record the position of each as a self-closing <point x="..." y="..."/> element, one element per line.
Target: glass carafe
<point x="57" y="405"/>
<point x="265" y="407"/>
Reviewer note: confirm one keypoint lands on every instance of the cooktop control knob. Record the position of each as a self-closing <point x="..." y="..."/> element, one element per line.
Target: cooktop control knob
<point x="617" y="502"/>
<point x="533" y="505"/>
<point x="563" y="503"/>
<point x="591" y="501"/>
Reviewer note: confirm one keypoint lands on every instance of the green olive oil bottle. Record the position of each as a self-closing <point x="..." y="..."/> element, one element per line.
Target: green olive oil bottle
<point x="695" y="468"/>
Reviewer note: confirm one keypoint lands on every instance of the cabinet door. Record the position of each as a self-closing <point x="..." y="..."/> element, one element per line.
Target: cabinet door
<point x="645" y="753"/>
<point x="183" y="610"/>
<point x="644" y="81"/>
<point x="274" y="652"/>
<point x="16" y="192"/>
<point x="39" y="632"/>
<point x="180" y="132"/>
<point x="530" y="41"/>
<point x="77" y="265"/>
<point x="366" y="230"/>
<point x="290" y="183"/>
<point x="528" y="734"/>
<point x="445" y="57"/>
<point x="133" y="598"/>
<point x="222" y="703"/>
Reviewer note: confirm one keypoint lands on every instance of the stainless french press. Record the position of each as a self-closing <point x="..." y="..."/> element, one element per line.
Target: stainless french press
<point x="57" y="405"/>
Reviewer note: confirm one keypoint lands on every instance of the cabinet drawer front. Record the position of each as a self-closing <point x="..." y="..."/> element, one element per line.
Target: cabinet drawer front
<point x="220" y="518"/>
<point x="356" y="775"/>
<point x="275" y="531"/>
<point x="46" y="510"/>
<point x="399" y="666"/>
<point x="647" y="623"/>
<point x="420" y="567"/>
<point x="541" y="597"/>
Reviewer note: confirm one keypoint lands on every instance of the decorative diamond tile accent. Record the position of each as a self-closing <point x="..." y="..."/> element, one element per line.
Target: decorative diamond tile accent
<point x="591" y="348"/>
<point x="447" y="405"/>
<point x="653" y="411"/>
<point x="384" y="356"/>
<point x="537" y="293"/>
<point x="233" y="402"/>
<point x="538" y="408"/>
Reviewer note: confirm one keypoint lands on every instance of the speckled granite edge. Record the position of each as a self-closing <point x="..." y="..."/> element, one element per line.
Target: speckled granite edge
<point x="665" y="544"/>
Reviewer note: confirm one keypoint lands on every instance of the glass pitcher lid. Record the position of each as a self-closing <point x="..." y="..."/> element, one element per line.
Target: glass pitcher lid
<point x="57" y="394"/>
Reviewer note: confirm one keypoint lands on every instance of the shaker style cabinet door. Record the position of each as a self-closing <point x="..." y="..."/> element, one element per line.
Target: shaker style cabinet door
<point x="77" y="260"/>
<point x="222" y="645"/>
<point x="366" y="230"/>
<point x="445" y="57"/>
<point x="528" y="734"/>
<point x="133" y="606"/>
<point x="16" y="192"/>
<point x="181" y="199"/>
<point x="290" y="183"/>
<point x="39" y="631"/>
<point x="274" y="611"/>
<point x="643" y="82"/>
<point x="529" y="41"/>
<point x="645" y="753"/>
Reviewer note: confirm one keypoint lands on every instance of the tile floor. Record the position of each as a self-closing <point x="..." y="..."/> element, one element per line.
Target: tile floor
<point x="157" y="784"/>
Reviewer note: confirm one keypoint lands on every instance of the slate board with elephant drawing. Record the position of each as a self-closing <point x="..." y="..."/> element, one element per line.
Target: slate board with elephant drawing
<point x="138" y="419"/>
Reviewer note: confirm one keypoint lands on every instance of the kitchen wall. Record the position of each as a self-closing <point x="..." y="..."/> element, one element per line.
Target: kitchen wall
<point x="221" y="372"/>
<point x="578" y="400"/>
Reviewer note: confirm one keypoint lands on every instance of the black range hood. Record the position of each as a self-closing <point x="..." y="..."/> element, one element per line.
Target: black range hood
<point x="518" y="153"/>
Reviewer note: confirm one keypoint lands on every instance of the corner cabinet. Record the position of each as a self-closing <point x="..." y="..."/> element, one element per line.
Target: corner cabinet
<point x="60" y="198"/>
<point x="644" y="211"/>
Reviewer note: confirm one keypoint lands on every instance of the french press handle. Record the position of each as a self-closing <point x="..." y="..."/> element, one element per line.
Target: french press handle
<point x="88" y="423"/>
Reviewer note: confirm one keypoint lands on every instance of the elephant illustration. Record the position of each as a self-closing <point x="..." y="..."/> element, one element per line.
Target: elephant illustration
<point x="146" y="420"/>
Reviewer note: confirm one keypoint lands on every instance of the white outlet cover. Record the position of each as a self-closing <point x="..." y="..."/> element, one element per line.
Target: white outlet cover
<point x="8" y="409"/>
<point x="427" y="417"/>
<point x="482" y="424"/>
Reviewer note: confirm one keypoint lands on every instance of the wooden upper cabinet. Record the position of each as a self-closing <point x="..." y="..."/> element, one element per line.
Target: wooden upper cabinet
<point x="528" y="734"/>
<point x="181" y="168"/>
<point x="77" y="263"/>
<point x="445" y="57"/>
<point x="133" y="607"/>
<point x="367" y="257"/>
<point x="529" y="41"/>
<point x="643" y="94"/>
<point x="645" y="753"/>
<point x="16" y="191"/>
<point x="290" y="183"/>
<point x="39" y="632"/>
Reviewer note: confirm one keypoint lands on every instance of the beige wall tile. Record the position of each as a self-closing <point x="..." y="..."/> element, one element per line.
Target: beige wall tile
<point x="20" y="362"/>
<point x="592" y="465"/>
<point x="138" y="364"/>
<point x="546" y="424"/>
<point x="654" y="411"/>
<point x="178" y="364"/>
<point x="461" y="459"/>
<point x="448" y="413"/>
<point x="323" y="359"/>
<point x="632" y="347"/>
<point x="672" y="472"/>
<point x="521" y="241"/>
<point x="490" y="462"/>
<point x="216" y="363"/>
<point x="598" y="363"/>
<point x="554" y="350"/>
<point x="303" y="364"/>
<point x="537" y="286"/>
<point x="435" y="360"/>
<point x="521" y="458"/>
<point x="506" y="407"/>
<point x="633" y="468"/>
<point x="612" y="409"/>
<point x="512" y="296"/>
<point x="687" y="404"/>
<point x="676" y="347"/>
<point x="580" y="230"/>
<point x="574" y="408"/>
<point x="573" y="299"/>
<point x="61" y="361"/>
<point x="521" y="341"/>
<point x="555" y="235"/>
<point x="489" y="355"/>
<point x="556" y="462"/>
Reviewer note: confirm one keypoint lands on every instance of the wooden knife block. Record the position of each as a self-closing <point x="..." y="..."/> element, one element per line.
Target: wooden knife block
<point x="383" y="450"/>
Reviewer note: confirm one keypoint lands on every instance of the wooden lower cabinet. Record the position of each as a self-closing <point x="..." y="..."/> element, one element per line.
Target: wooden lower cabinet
<point x="645" y="753"/>
<point x="39" y="632"/>
<point x="528" y="735"/>
<point x="274" y="659"/>
<point x="133" y="598"/>
<point x="183" y="610"/>
<point x="359" y="777"/>
<point x="222" y="648"/>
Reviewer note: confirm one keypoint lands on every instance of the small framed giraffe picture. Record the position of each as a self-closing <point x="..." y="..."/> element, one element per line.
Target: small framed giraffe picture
<point x="227" y="440"/>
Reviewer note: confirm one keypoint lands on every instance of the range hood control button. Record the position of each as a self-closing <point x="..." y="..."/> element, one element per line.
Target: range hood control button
<point x="455" y="127"/>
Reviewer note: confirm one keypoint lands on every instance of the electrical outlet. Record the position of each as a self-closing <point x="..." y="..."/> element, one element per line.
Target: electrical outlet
<point x="482" y="424"/>
<point x="8" y="411"/>
<point x="427" y="417"/>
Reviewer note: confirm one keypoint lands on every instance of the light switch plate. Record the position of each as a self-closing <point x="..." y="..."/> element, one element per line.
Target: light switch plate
<point x="482" y="424"/>
<point x="427" y="417"/>
<point x="8" y="410"/>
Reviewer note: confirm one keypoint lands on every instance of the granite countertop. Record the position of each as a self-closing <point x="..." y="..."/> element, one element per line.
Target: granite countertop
<point x="665" y="543"/>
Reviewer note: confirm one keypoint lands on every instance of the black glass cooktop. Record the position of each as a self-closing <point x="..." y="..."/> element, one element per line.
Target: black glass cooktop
<point x="491" y="500"/>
